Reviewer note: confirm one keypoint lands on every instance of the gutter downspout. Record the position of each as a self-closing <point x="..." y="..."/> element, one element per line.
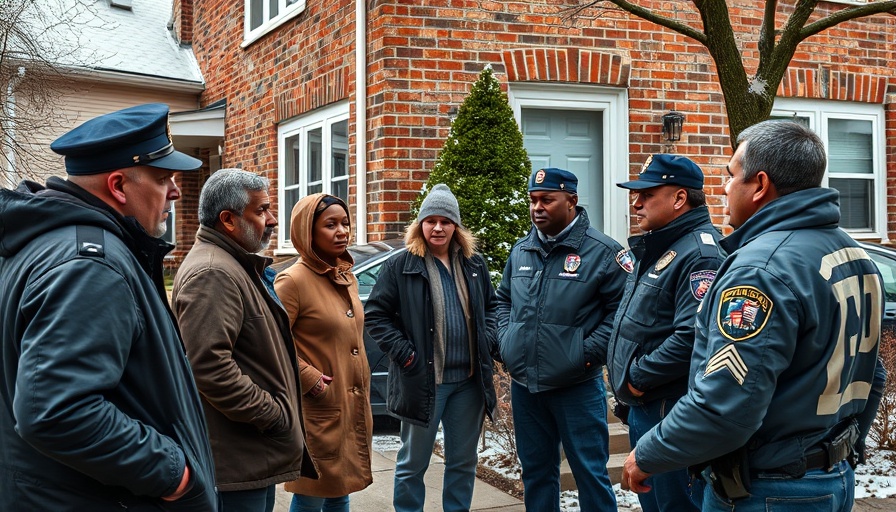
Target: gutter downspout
<point x="361" y="121"/>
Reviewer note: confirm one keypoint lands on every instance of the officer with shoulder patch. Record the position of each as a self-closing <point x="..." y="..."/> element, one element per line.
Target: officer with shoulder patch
<point x="99" y="408"/>
<point x="674" y="262"/>
<point x="556" y="305"/>
<point x="785" y="375"/>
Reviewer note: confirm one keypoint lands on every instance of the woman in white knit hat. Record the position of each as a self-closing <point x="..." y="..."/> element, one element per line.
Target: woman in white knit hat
<point x="432" y="312"/>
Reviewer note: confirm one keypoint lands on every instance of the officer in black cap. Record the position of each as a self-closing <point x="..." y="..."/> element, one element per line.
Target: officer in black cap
<point x="98" y="407"/>
<point x="556" y="304"/>
<point x="671" y="265"/>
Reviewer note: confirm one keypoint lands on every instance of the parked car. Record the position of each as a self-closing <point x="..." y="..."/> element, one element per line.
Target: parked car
<point x="885" y="259"/>
<point x="369" y="260"/>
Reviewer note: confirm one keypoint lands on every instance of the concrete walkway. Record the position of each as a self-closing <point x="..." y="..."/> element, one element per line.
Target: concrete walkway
<point x="378" y="497"/>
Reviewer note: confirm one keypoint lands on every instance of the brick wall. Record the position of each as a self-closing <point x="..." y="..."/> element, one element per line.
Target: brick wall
<point x="423" y="58"/>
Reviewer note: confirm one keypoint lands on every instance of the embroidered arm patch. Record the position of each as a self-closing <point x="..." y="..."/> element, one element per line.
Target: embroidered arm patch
<point x="625" y="260"/>
<point x="700" y="282"/>
<point x="743" y="312"/>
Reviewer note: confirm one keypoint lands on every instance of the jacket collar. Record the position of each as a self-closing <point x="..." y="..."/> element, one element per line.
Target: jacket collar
<point x="248" y="260"/>
<point x="650" y="246"/>
<point x="148" y="250"/>
<point x="813" y="208"/>
<point x="573" y="239"/>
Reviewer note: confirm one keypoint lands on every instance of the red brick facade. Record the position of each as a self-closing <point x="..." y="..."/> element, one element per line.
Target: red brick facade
<point x="424" y="56"/>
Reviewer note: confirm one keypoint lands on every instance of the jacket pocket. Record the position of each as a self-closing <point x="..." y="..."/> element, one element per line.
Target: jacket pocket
<point x="644" y="311"/>
<point x="561" y="354"/>
<point x="324" y="432"/>
<point x="512" y="347"/>
<point x="622" y="352"/>
<point x="202" y="494"/>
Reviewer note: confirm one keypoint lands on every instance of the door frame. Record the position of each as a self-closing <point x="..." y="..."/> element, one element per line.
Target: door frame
<point x="613" y="104"/>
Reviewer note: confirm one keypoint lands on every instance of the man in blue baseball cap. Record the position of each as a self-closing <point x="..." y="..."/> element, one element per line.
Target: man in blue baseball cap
<point x="99" y="408"/>
<point x="556" y="303"/>
<point x="671" y="264"/>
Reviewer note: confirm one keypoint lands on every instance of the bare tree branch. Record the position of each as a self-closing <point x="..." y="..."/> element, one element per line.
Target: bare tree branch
<point x="850" y="13"/>
<point x="40" y="41"/>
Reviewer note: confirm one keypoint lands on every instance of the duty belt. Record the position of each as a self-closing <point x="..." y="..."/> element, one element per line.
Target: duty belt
<point x="824" y="455"/>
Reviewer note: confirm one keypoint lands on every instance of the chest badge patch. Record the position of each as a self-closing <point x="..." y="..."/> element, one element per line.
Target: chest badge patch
<point x="572" y="263"/>
<point x="743" y="312"/>
<point x="665" y="260"/>
<point x="700" y="282"/>
<point x="625" y="260"/>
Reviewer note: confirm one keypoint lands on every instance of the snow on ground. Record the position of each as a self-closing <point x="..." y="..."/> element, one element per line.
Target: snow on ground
<point x="874" y="479"/>
<point x="877" y="477"/>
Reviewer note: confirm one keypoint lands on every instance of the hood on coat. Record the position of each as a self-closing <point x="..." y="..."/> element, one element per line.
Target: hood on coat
<point x="31" y="210"/>
<point x="301" y="228"/>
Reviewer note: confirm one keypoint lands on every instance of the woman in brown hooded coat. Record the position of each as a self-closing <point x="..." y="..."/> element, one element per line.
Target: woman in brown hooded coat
<point x="320" y="294"/>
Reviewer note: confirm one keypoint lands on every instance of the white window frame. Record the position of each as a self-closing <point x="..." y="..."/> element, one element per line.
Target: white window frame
<point x="819" y="113"/>
<point x="170" y="235"/>
<point x="284" y="13"/>
<point x="613" y="104"/>
<point x="323" y="118"/>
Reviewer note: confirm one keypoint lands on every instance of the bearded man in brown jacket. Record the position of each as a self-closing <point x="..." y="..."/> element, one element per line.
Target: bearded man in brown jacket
<point x="239" y="344"/>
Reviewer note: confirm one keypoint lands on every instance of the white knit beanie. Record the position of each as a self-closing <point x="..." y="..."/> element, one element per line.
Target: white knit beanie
<point x="440" y="201"/>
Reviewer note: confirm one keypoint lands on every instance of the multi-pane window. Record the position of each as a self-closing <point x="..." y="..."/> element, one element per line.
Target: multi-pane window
<point x="852" y="134"/>
<point x="265" y="15"/>
<point x="314" y="158"/>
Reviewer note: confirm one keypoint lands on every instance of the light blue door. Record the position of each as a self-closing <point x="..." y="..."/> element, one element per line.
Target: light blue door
<point x="571" y="140"/>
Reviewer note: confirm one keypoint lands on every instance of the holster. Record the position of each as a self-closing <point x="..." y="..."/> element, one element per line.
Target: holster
<point x="730" y="475"/>
<point x="842" y="446"/>
<point x="621" y="410"/>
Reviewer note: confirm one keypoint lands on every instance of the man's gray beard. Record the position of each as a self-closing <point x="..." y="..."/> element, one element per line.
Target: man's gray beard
<point x="160" y="231"/>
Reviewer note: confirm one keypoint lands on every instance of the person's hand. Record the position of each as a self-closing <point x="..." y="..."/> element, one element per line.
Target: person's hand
<point x="322" y="383"/>
<point x="410" y="360"/>
<point x="632" y="476"/>
<point x="631" y="389"/>
<point x="182" y="488"/>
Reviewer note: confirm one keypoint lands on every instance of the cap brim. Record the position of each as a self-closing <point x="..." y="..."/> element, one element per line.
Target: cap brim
<point x="639" y="184"/>
<point x="176" y="161"/>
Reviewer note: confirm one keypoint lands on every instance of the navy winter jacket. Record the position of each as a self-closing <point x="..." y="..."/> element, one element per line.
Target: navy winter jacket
<point x="556" y="308"/>
<point x="98" y="408"/>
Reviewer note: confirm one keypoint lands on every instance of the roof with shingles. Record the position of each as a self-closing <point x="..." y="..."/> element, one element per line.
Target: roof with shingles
<point x="99" y="36"/>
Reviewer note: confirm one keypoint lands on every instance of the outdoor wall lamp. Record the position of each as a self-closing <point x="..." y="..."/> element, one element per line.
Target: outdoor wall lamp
<point x="672" y="123"/>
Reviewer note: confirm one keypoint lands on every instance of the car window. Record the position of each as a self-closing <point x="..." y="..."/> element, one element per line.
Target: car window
<point x="367" y="278"/>
<point x="887" y="267"/>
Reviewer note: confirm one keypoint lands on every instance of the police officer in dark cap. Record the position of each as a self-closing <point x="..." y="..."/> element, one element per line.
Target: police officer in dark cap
<point x="99" y="408"/>
<point x="556" y="303"/>
<point x="671" y="265"/>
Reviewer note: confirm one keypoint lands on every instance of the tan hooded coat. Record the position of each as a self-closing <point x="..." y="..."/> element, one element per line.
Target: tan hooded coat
<point x="327" y="322"/>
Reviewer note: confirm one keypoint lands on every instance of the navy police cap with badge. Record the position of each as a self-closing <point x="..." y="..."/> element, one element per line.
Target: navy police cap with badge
<point x="126" y="138"/>
<point x="666" y="169"/>
<point x="552" y="178"/>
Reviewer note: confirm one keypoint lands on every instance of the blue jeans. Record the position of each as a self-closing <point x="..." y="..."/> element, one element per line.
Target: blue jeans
<point x="302" y="503"/>
<point x="575" y="417"/>
<point x="460" y="408"/>
<point x="670" y="492"/>
<point x="816" y="491"/>
<point x="253" y="500"/>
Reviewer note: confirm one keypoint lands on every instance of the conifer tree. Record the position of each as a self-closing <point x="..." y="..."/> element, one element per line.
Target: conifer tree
<point x="486" y="166"/>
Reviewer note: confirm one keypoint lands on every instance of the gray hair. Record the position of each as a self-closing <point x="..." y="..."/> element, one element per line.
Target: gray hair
<point x="791" y="154"/>
<point x="228" y="189"/>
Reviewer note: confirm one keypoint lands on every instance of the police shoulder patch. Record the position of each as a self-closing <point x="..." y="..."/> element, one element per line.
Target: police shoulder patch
<point x="625" y="260"/>
<point x="700" y="281"/>
<point x="743" y="312"/>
